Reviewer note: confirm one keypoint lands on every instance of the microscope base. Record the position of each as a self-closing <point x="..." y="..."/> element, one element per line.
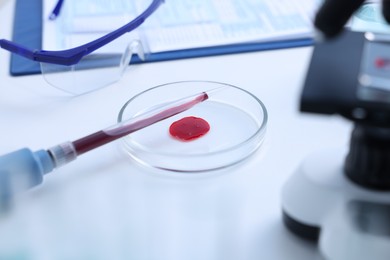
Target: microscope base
<point x="348" y="221"/>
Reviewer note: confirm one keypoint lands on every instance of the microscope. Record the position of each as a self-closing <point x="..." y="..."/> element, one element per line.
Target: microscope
<point x="341" y="200"/>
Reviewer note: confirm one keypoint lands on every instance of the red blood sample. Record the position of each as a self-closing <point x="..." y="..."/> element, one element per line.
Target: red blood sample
<point x="189" y="128"/>
<point x="380" y="63"/>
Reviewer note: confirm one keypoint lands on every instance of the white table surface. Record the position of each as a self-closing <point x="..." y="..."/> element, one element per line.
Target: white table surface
<point x="105" y="206"/>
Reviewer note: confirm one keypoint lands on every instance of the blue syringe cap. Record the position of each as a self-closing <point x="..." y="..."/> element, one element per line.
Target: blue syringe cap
<point x="21" y="170"/>
<point x="44" y="161"/>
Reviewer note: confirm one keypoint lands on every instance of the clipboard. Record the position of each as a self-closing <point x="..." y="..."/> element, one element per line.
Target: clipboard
<point x="28" y="32"/>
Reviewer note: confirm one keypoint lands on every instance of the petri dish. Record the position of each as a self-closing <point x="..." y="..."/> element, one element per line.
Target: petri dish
<point x="237" y="120"/>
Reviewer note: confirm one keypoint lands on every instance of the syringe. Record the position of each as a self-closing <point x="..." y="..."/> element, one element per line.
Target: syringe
<point x="23" y="169"/>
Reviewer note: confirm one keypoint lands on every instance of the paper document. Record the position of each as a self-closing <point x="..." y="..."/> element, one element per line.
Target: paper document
<point x="183" y="24"/>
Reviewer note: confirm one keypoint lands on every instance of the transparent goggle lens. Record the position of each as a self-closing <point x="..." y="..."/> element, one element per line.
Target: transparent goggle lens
<point x="107" y="64"/>
<point x="94" y="71"/>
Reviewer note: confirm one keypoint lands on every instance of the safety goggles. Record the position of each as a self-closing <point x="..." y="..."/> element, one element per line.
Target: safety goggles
<point x="92" y="65"/>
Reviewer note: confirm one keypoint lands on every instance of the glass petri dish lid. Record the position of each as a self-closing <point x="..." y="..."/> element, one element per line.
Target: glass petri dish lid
<point x="237" y="121"/>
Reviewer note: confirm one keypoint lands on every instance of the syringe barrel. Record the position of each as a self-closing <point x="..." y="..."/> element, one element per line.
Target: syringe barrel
<point x="63" y="154"/>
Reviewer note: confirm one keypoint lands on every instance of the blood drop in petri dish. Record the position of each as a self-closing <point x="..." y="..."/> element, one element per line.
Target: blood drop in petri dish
<point x="189" y="128"/>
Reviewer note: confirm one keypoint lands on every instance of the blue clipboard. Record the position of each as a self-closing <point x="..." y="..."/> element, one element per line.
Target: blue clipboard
<point x="28" y="32"/>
